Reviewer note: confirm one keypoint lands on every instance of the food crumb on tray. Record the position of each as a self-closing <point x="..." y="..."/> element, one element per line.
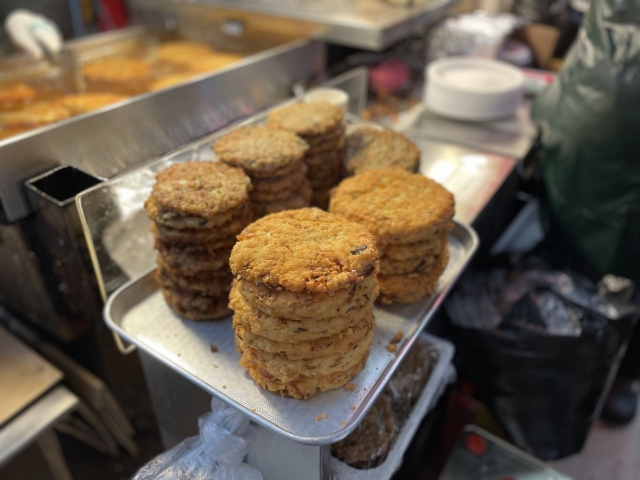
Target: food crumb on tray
<point x="392" y="347"/>
<point x="353" y="407"/>
<point x="343" y="423"/>
<point x="324" y="416"/>
<point x="350" y="387"/>
<point x="214" y="349"/>
<point x="397" y="337"/>
<point x="224" y="386"/>
<point x="214" y="365"/>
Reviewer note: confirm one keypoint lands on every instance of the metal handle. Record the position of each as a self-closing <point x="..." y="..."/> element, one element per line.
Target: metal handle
<point x="125" y="350"/>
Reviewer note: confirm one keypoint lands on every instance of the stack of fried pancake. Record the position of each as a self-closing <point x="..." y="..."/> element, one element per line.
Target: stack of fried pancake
<point x="273" y="159"/>
<point x="198" y="208"/>
<point x="321" y="125"/>
<point x="303" y="300"/>
<point x="410" y="216"/>
<point x="369" y="148"/>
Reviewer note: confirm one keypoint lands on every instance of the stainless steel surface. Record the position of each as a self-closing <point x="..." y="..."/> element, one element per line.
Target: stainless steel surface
<point x="511" y="137"/>
<point x="113" y="215"/>
<point x="138" y="312"/>
<point x="107" y="142"/>
<point x="280" y="458"/>
<point x="46" y="258"/>
<point x="441" y="375"/>
<point x="471" y="175"/>
<point x="367" y="24"/>
<point x="28" y="425"/>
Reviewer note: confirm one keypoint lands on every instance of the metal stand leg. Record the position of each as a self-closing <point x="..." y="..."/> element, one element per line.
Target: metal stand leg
<point x="279" y="458"/>
<point x="50" y="447"/>
<point x="177" y="402"/>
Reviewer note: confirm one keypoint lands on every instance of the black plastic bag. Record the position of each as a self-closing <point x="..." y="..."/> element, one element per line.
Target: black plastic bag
<point x="541" y="349"/>
<point x="590" y="119"/>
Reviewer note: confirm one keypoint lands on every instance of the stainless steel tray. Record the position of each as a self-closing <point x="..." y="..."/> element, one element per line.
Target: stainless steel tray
<point x="138" y="313"/>
<point x="442" y="374"/>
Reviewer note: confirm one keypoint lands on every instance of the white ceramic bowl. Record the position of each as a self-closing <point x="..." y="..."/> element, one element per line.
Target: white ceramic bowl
<point x="473" y="89"/>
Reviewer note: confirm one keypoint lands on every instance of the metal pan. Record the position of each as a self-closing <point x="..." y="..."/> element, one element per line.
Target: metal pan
<point x="138" y="313"/>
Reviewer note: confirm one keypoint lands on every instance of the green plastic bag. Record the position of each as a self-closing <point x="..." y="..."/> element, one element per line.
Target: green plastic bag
<point x="590" y="157"/>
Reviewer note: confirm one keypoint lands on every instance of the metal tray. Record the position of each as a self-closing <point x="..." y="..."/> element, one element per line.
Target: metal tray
<point x="139" y="314"/>
<point x="442" y="374"/>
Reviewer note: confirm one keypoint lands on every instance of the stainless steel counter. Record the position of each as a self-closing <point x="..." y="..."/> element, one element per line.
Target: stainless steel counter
<point x="510" y="137"/>
<point x="367" y="24"/>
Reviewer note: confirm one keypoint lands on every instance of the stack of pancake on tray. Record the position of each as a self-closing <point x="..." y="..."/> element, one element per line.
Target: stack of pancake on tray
<point x="322" y="126"/>
<point x="273" y="159"/>
<point x="410" y="217"/>
<point x="303" y="300"/>
<point x="198" y="208"/>
<point x="368" y="148"/>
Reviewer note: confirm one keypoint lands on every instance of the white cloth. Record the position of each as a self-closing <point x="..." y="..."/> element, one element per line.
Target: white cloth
<point x="33" y="33"/>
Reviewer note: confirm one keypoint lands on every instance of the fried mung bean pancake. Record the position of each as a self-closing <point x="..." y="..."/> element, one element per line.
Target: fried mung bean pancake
<point x="117" y="70"/>
<point x="162" y="242"/>
<point x="302" y="387"/>
<point x="212" y="235"/>
<point x="199" y="284"/>
<point x="290" y="182"/>
<point x="286" y="369"/>
<point x="369" y="148"/>
<point x="408" y="251"/>
<point x="390" y="266"/>
<point x="88" y="102"/>
<point x="306" y="306"/>
<point x="395" y="205"/>
<point x="190" y="259"/>
<point x="36" y="115"/>
<point x="304" y="250"/>
<point x="307" y="119"/>
<point x="182" y="52"/>
<point x="343" y="341"/>
<point x="300" y="198"/>
<point x="168" y="218"/>
<point x="280" y="329"/>
<point x="16" y="96"/>
<point x="261" y="150"/>
<point x="196" y="307"/>
<point x="412" y="287"/>
<point x="203" y="189"/>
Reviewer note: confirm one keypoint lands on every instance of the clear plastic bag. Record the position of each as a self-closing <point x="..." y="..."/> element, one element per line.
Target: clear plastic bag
<point x="216" y="454"/>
